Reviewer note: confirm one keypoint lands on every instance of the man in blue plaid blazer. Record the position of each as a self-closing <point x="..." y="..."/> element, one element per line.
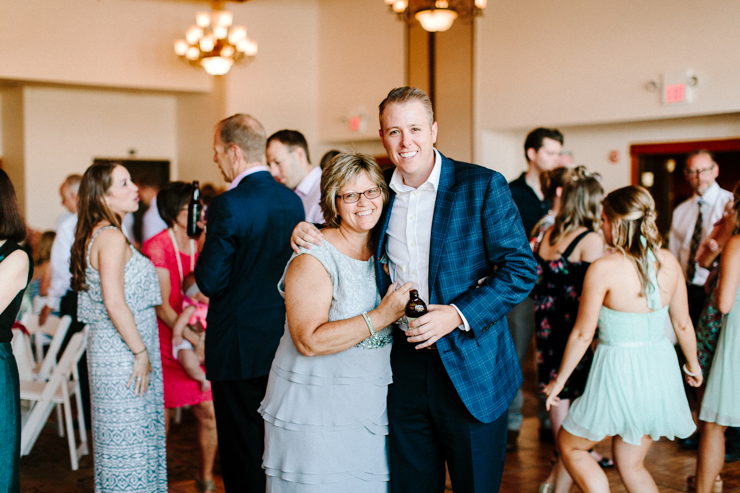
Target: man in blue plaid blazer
<point x="455" y="371"/>
<point x="453" y="230"/>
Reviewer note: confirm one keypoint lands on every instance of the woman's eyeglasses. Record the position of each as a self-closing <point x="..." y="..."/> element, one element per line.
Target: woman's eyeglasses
<point x="352" y="197"/>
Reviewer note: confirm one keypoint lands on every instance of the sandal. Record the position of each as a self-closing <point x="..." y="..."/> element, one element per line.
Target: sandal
<point x="546" y="488"/>
<point x="606" y="463"/>
<point x="204" y="485"/>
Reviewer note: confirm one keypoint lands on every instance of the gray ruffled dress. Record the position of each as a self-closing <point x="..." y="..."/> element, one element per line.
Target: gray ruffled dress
<point x="326" y="424"/>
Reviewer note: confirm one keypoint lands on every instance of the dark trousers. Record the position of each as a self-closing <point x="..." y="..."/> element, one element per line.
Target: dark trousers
<point x="241" y="433"/>
<point x="68" y="306"/>
<point x="697" y="296"/>
<point x="429" y="424"/>
<point x="10" y="421"/>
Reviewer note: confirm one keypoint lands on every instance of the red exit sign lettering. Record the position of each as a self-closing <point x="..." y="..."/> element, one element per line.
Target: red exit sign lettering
<point x="674" y="93"/>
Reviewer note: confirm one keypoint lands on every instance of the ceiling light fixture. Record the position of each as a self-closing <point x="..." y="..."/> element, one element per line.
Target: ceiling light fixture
<point x="214" y="43"/>
<point x="436" y="15"/>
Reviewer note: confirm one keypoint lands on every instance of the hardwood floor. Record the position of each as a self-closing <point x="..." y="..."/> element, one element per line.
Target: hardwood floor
<point x="47" y="469"/>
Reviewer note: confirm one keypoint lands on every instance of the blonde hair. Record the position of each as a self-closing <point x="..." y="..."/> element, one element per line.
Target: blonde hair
<point x="631" y="211"/>
<point x="42" y="252"/>
<point x="343" y="168"/>
<point x="401" y="95"/>
<point x="580" y="204"/>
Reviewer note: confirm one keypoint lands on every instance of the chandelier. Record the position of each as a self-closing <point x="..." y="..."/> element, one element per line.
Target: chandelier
<point x="436" y="15"/>
<point x="214" y="44"/>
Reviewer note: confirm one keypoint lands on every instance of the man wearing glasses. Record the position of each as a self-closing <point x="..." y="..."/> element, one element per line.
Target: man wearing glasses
<point x="693" y="221"/>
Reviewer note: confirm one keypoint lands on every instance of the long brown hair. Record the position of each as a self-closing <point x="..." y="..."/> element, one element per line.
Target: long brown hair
<point x="91" y="210"/>
<point x="631" y="211"/>
<point x="12" y="225"/>
<point x="580" y="204"/>
<point x="736" y="208"/>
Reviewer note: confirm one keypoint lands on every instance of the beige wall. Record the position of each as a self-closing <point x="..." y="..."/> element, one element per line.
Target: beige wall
<point x="65" y="129"/>
<point x="13" y="140"/>
<point x="577" y="62"/>
<point x="117" y="43"/>
<point x="361" y="59"/>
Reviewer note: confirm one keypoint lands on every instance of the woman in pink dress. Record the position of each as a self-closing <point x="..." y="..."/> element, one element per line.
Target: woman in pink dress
<point x="173" y="254"/>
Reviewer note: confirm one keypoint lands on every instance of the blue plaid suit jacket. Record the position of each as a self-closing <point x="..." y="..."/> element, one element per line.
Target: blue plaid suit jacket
<point x="476" y="229"/>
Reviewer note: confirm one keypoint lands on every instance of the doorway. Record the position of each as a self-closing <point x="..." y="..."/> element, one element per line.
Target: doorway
<point x="659" y="168"/>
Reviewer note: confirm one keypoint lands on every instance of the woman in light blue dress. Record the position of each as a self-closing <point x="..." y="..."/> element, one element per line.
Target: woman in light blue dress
<point x="118" y="290"/>
<point x="721" y="404"/>
<point x="326" y="424"/>
<point x="634" y="391"/>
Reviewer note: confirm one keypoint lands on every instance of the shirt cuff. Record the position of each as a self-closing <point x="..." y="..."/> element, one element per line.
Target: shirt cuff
<point x="463" y="326"/>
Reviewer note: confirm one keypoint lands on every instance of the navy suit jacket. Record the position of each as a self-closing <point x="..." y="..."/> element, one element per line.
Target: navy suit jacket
<point x="246" y="248"/>
<point x="476" y="227"/>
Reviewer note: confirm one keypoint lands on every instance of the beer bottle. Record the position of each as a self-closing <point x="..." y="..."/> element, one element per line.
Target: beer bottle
<point x="415" y="307"/>
<point x="195" y="208"/>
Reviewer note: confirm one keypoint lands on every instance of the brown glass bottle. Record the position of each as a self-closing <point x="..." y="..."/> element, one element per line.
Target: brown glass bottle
<point x="195" y="207"/>
<point x="415" y="307"/>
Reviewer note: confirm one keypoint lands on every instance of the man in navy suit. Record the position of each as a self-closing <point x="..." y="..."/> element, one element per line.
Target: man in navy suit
<point x="455" y="370"/>
<point x="246" y="248"/>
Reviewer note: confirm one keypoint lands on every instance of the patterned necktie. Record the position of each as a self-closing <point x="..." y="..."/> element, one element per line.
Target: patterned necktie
<point x="696" y="238"/>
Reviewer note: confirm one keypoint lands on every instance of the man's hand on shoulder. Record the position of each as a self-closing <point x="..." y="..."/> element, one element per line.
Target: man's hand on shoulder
<point x="437" y="323"/>
<point x="304" y="235"/>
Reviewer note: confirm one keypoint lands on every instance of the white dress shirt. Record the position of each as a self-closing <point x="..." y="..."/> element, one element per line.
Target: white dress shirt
<point x="684" y="219"/>
<point x="151" y="222"/>
<point x="61" y="251"/>
<point x="309" y="191"/>
<point x="410" y="230"/>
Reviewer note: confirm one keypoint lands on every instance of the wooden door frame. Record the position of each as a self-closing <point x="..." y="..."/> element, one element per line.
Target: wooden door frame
<point x="686" y="147"/>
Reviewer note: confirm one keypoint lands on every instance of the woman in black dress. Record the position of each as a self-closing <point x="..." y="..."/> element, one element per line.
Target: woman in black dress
<point x="563" y="256"/>
<point x="16" y="270"/>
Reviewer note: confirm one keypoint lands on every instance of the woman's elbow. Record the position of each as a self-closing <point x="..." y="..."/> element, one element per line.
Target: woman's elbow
<point x="305" y="349"/>
<point x="115" y="307"/>
<point x="725" y="306"/>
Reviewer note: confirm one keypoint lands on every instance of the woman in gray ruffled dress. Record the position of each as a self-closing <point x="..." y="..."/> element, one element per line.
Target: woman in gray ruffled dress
<point x="325" y="416"/>
<point x="118" y="290"/>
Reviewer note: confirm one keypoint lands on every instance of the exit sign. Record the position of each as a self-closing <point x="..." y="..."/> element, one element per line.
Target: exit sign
<point x="677" y="87"/>
<point x="674" y="93"/>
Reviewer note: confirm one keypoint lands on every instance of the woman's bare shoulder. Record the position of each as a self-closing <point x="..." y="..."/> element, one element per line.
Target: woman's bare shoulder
<point x="667" y="259"/>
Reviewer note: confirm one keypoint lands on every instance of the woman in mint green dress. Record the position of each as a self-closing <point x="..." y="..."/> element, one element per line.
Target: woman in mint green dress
<point x="721" y="404"/>
<point x="634" y="391"/>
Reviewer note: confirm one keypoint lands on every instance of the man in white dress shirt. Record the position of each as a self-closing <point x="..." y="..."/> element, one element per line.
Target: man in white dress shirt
<point x="692" y="222"/>
<point x="688" y="229"/>
<point x="151" y="222"/>
<point x="290" y="164"/>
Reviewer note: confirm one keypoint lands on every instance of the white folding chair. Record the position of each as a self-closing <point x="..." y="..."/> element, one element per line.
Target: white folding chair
<point x="47" y="363"/>
<point x="64" y="382"/>
<point x="52" y="333"/>
<point x="21" y="346"/>
<point x="43" y="335"/>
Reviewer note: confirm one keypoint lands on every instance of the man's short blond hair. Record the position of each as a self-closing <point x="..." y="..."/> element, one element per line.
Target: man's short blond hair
<point x="401" y="95"/>
<point x="245" y="132"/>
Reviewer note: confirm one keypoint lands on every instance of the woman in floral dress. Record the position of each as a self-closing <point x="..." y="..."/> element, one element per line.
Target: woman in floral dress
<point x="563" y="256"/>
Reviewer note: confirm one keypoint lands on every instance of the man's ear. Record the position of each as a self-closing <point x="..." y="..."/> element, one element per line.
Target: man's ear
<point x="531" y="154"/>
<point x="302" y="158"/>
